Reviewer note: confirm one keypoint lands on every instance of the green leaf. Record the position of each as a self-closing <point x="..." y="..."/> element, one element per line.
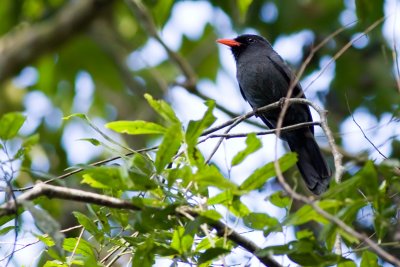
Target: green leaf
<point x="369" y="11"/>
<point x="160" y="10"/>
<point x="243" y="6"/>
<point x="162" y="108"/>
<point x="142" y="164"/>
<point x="96" y="63"/>
<point x="141" y="182"/>
<point x="55" y="263"/>
<point x="369" y="259"/>
<point x="231" y="201"/>
<point x="225" y="196"/>
<point x="209" y="175"/>
<point x="47" y="240"/>
<point x="181" y="242"/>
<point x="238" y="208"/>
<point x="169" y="146"/>
<point x="252" y="144"/>
<point x="96" y="129"/>
<point x="280" y="200"/>
<point x="93" y="141"/>
<point x="273" y="250"/>
<point x="308" y="213"/>
<point x="88" y="223"/>
<point x="79" y="115"/>
<point x="202" y="54"/>
<point x="10" y="123"/>
<point x="347" y="263"/>
<point x="143" y="255"/>
<point x="136" y="127"/>
<point x="7" y="229"/>
<point x="141" y="173"/>
<point x="258" y="178"/>
<point x="211" y="214"/>
<point x="305" y="234"/>
<point x="79" y="246"/>
<point x="260" y="221"/>
<point x="308" y="253"/>
<point x="211" y="254"/>
<point x="184" y="173"/>
<point x="104" y="177"/>
<point x="194" y="131"/>
<point x="30" y="141"/>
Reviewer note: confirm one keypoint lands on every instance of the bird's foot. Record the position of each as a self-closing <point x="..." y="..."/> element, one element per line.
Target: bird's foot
<point x="255" y="112"/>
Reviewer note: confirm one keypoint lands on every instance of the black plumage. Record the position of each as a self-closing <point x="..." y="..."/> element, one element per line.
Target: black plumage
<point x="264" y="78"/>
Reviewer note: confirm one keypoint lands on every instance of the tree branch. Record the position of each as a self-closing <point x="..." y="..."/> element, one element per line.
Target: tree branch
<point x="20" y="48"/>
<point x="51" y="191"/>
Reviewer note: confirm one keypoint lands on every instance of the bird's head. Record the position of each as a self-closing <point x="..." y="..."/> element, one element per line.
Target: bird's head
<point x="245" y="42"/>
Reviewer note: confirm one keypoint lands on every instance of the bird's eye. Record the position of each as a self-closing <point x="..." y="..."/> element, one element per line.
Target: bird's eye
<point x="250" y="40"/>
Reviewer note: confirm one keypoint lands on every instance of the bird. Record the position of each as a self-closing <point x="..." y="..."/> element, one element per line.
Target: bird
<point x="265" y="78"/>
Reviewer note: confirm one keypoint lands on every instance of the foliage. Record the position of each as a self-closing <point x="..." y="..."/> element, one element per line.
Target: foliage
<point x="149" y="155"/>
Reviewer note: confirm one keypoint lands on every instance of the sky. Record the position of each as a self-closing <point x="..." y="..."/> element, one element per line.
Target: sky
<point x="189" y="18"/>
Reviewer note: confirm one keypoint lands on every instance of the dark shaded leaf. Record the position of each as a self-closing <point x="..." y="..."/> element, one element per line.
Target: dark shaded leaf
<point x="46" y="224"/>
<point x="369" y="11"/>
<point x="143" y="255"/>
<point x="260" y="221"/>
<point x="211" y="254"/>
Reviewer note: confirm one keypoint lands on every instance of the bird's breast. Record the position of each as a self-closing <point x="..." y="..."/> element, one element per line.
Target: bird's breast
<point x="261" y="83"/>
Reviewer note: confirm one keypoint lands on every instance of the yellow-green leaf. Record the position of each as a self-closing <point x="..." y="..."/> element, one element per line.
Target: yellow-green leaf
<point x="136" y="127"/>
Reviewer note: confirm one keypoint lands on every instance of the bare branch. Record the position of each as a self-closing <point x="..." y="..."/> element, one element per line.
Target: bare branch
<point x="51" y="191"/>
<point x="272" y="131"/>
<point x="361" y="129"/>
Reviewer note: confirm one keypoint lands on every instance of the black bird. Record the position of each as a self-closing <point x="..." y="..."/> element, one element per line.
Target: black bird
<point x="264" y="78"/>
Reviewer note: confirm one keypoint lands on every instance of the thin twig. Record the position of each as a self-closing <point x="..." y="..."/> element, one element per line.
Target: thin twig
<point x="272" y="131"/>
<point x="97" y="163"/>
<point x="361" y="129"/>
<point x="238" y="120"/>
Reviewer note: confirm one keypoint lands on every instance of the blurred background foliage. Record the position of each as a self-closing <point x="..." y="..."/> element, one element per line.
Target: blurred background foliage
<point x="120" y="50"/>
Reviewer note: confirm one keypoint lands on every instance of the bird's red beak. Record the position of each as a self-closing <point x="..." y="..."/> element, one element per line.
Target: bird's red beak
<point x="228" y="42"/>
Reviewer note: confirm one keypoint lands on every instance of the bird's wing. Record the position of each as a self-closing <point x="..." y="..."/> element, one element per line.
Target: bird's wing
<point x="285" y="71"/>
<point x="263" y="118"/>
<point x="241" y="91"/>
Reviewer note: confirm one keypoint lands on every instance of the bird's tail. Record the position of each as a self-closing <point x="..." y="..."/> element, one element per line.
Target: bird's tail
<point x="311" y="163"/>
